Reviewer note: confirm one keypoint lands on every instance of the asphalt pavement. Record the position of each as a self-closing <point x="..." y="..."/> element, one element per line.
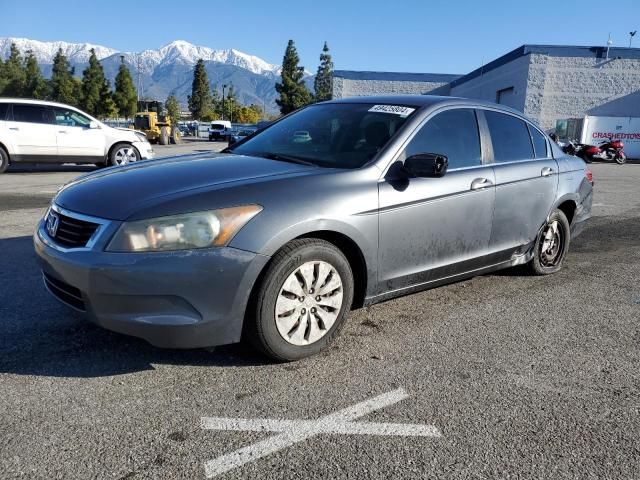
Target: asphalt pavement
<point x="503" y="376"/>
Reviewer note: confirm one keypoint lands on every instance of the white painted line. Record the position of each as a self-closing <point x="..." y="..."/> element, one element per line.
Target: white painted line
<point x="294" y="431"/>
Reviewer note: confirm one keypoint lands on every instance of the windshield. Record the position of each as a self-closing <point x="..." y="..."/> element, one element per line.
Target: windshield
<point x="340" y="135"/>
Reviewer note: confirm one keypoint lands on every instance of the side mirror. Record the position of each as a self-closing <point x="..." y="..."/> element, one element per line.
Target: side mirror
<point x="431" y="165"/>
<point x="93" y="125"/>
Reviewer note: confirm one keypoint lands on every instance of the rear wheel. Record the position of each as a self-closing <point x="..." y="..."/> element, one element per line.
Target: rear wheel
<point x="552" y="244"/>
<point x="4" y="160"/>
<point x="303" y="300"/>
<point x="621" y="158"/>
<point x="164" y="136"/>
<point x="122" y="154"/>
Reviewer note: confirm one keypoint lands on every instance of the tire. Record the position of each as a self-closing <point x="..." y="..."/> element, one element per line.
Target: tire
<point x="301" y="331"/>
<point x="621" y="158"/>
<point x="123" y="154"/>
<point x="164" y="136"/>
<point x="101" y="164"/>
<point x="552" y="245"/>
<point x="176" y="136"/>
<point x="4" y="160"/>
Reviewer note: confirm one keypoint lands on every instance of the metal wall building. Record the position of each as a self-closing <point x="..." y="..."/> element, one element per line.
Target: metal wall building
<point x="546" y="82"/>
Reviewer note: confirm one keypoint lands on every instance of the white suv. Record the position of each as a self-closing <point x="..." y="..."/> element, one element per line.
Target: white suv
<point x="35" y="131"/>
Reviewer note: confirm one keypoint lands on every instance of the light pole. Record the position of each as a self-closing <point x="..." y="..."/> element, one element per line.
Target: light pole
<point x="631" y="35"/>
<point x="223" y="87"/>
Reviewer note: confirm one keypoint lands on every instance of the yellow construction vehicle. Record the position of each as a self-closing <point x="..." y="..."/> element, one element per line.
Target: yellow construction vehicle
<point x="155" y="124"/>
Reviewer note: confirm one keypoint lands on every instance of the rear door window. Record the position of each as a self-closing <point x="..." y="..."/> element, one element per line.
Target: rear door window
<point x="4" y="107"/>
<point x="509" y="137"/>
<point x="26" y="113"/>
<point x="539" y="142"/>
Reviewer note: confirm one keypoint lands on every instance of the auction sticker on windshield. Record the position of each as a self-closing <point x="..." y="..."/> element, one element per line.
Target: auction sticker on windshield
<point x="393" y="109"/>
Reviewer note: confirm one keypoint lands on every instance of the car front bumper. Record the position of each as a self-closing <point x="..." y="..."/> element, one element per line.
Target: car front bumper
<point x="183" y="299"/>
<point x="145" y="150"/>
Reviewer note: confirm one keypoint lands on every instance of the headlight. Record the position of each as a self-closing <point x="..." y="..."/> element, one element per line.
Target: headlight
<point x="141" y="136"/>
<point x="213" y="228"/>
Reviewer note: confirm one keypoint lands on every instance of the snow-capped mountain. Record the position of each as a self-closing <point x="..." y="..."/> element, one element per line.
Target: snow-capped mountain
<point x="178" y="51"/>
<point x="167" y="70"/>
<point x="45" y="51"/>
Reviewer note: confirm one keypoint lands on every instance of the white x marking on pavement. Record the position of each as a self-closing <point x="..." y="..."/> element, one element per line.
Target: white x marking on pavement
<point x="290" y="432"/>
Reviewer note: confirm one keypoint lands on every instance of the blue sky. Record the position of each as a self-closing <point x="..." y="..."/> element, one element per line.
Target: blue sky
<point x="391" y="35"/>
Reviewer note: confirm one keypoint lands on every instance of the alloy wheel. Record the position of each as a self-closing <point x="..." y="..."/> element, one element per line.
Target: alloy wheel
<point x="124" y="155"/>
<point x="309" y="303"/>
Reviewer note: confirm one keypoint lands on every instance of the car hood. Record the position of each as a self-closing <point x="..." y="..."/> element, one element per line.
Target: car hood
<point x="119" y="192"/>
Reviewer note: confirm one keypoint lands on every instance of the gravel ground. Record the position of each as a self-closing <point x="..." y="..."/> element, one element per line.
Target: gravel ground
<point x="525" y="377"/>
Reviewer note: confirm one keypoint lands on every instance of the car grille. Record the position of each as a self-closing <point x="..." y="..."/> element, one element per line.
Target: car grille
<point x="72" y="232"/>
<point x="64" y="292"/>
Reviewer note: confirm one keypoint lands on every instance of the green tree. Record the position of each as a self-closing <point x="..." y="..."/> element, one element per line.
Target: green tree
<point x="3" y="80"/>
<point x="250" y="114"/>
<point x="200" y="104"/>
<point x="96" y="97"/>
<point x="14" y="74"/>
<point x="293" y="92"/>
<point x="35" y="84"/>
<point x="64" y="86"/>
<point x="323" y="83"/>
<point x="107" y="107"/>
<point x="125" y="94"/>
<point x="173" y="109"/>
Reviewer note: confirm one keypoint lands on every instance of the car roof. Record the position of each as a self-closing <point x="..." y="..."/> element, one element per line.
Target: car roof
<point x="34" y="102"/>
<point x="420" y="101"/>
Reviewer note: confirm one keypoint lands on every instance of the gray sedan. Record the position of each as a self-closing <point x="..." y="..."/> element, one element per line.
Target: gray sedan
<point x="338" y="205"/>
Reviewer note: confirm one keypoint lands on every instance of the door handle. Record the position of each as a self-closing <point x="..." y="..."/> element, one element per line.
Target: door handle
<point x="62" y="131"/>
<point x="14" y="128"/>
<point x="479" y="183"/>
<point x="546" y="171"/>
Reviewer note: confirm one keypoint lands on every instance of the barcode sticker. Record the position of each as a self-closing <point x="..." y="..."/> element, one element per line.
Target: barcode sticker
<point x="393" y="109"/>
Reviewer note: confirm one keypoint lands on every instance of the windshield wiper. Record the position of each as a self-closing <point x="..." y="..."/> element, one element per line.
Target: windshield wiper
<point x="286" y="158"/>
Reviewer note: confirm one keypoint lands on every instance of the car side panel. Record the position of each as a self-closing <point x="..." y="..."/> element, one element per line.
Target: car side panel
<point x="573" y="186"/>
<point x="524" y="197"/>
<point x="344" y="202"/>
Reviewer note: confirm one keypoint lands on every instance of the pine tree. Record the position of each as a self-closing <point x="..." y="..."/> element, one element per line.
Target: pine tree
<point x="200" y="104"/>
<point x="35" y="84"/>
<point x="173" y="109"/>
<point x="323" y="83"/>
<point x="64" y="87"/>
<point x="125" y="94"/>
<point x="107" y="107"/>
<point x="293" y="92"/>
<point x="93" y="81"/>
<point x="3" y="79"/>
<point x="14" y="74"/>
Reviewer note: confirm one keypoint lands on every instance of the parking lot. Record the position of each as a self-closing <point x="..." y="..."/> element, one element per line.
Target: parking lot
<point x="502" y="376"/>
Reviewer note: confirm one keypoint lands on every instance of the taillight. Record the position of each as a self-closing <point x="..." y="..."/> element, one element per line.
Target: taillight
<point x="589" y="175"/>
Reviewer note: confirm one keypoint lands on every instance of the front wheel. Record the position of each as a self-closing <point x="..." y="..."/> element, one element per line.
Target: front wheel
<point x="176" y="136"/>
<point x="302" y="301"/>
<point x="621" y="158"/>
<point x="552" y="244"/>
<point x="122" y="154"/>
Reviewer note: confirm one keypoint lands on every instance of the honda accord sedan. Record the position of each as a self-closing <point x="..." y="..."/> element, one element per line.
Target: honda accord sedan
<point x="338" y="205"/>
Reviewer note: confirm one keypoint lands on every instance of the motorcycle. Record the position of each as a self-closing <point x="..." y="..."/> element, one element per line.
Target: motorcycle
<point x="611" y="150"/>
<point x="571" y="147"/>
